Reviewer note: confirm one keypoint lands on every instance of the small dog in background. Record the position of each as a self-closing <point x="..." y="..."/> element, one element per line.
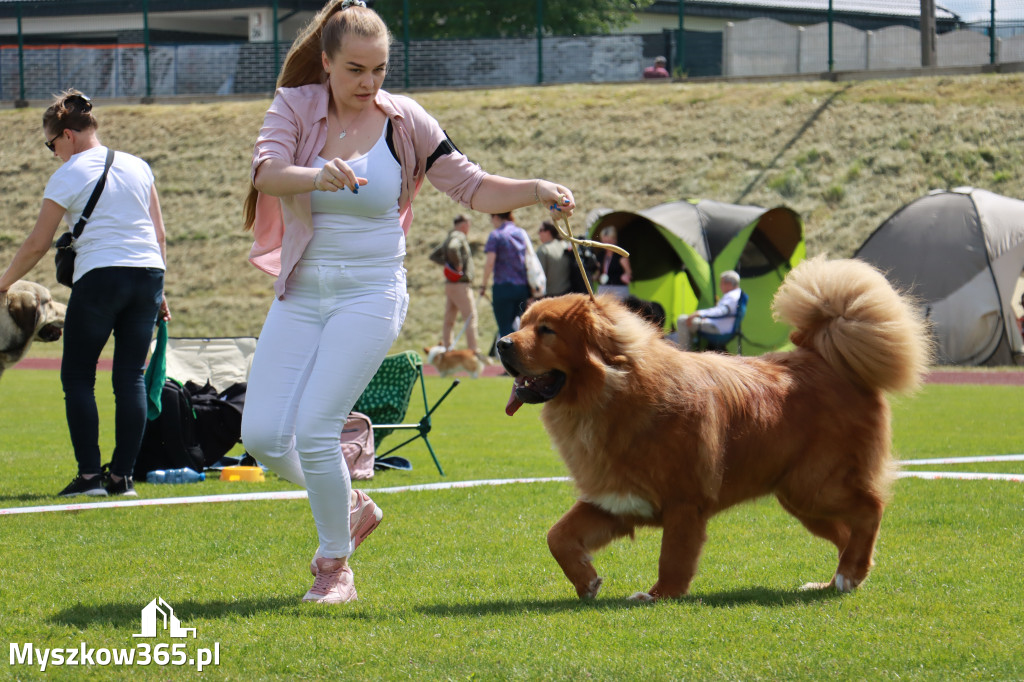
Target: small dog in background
<point x="449" y="361"/>
<point x="27" y="313"/>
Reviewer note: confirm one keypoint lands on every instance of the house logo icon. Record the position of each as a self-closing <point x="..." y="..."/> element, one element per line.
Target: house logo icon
<point x="158" y="611"/>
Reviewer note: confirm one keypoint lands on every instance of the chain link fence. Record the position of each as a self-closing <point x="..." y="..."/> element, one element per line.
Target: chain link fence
<point x="158" y="48"/>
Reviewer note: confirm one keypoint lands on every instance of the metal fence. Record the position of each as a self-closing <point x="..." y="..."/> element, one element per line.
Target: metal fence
<point x="154" y="48"/>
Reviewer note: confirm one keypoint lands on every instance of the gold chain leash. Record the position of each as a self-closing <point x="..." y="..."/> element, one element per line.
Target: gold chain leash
<point x="566" y="234"/>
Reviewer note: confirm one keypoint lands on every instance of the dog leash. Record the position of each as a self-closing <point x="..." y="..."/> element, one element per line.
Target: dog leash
<point x="458" y="336"/>
<point x="566" y="234"/>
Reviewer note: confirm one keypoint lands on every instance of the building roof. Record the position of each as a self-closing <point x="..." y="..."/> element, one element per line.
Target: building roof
<point x="893" y="8"/>
<point x="889" y="8"/>
<point x="60" y="8"/>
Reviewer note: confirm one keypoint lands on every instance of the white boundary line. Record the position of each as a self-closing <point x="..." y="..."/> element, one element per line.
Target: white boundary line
<point x="962" y="476"/>
<point x="962" y="460"/>
<point x="276" y="495"/>
<point x="451" y="485"/>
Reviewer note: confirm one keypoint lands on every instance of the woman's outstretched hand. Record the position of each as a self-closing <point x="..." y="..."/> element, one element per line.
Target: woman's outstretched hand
<point x="557" y="198"/>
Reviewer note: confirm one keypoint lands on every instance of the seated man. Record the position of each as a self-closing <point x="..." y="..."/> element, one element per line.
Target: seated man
<point x="717" y="320"/>
<point x="659" y="69"/>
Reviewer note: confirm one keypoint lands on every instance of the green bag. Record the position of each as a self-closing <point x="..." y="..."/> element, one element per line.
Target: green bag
<point x="156" y="372"/>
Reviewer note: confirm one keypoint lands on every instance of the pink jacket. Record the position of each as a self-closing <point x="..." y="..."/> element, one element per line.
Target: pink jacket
<point x="295" y="130"/>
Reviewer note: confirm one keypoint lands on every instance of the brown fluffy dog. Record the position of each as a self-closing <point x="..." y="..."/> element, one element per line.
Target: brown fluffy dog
<point x="655" y="436"/>
<point x="27" y="313"/>
<point x="450" y="361"/>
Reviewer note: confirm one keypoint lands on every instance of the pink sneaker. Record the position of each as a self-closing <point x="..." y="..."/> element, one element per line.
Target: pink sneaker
<point x="334" y="583"/>
<point x="363" y="518"/>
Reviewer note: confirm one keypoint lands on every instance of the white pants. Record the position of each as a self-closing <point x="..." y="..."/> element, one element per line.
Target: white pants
<point x="319" y="348"/>
<point x="690" y="325"/>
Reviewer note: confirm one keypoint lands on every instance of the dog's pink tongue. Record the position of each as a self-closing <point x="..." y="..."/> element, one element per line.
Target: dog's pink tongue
<point x="514" y="403"/>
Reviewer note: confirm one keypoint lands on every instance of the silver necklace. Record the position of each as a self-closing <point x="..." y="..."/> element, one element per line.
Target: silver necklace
<point x="344" y="131"/>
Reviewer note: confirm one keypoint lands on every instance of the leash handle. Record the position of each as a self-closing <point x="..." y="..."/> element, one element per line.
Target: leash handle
<point x="566" y="233"/>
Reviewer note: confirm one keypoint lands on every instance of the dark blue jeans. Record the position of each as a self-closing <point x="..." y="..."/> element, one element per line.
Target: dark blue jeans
<point x="125" y="302"/>
<point x="508" y="301"/>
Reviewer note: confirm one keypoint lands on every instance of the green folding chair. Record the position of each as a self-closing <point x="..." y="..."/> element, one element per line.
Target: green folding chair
<point x="386" y="401"/>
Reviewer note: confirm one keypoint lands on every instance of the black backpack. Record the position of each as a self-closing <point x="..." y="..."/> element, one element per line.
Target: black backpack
<point x="218" y="418"/>
<point x="170" y="441"/>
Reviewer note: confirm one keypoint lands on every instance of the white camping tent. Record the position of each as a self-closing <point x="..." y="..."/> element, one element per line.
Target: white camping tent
<point x="960" y="252"/>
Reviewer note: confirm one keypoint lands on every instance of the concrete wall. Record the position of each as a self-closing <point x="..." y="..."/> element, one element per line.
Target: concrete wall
<point x="120" y="71"/>
<point x="758" y="47"/>
<point x="896" y="47"/>
<point x="482" y="63"/>
<point x="1012" y="49"/>
<point x="112" y="72"/>
<point x="765" y="47"/>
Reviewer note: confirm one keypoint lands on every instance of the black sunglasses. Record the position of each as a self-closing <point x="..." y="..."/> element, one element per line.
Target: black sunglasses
<point x="49" y="145"/>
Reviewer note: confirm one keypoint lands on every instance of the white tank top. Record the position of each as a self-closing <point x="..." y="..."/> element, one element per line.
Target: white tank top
<point x="360" y="227"/>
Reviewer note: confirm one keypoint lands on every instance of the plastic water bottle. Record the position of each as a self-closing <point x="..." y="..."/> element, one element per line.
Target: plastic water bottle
<point x="185" y="475"/>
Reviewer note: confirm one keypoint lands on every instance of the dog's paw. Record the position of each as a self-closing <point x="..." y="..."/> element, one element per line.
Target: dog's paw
<point x="645" y="597"/>
<point x="841" y="584"/>
<point x="844" y="584"/>
<point x="808" y="587"/>
<point x="592" y="589"/>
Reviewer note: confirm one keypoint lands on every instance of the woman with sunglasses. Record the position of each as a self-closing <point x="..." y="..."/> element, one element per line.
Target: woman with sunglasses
<point x="334" y="172"/>
<point x="118" y="286"/>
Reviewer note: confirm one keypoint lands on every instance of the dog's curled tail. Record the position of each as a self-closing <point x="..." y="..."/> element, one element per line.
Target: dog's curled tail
<point x="847" y="312"/>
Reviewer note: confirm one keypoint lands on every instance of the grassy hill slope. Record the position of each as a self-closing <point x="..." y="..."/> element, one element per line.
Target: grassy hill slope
<point x="844" y="155"/>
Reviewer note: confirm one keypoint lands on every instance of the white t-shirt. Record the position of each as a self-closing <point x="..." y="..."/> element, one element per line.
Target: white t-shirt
<point x="723" y="315"/>
<point x="363" y="227"/>
<point x="120" y="231"/>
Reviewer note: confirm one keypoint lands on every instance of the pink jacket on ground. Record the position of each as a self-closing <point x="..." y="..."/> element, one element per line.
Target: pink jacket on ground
<point x="295" y="130"/>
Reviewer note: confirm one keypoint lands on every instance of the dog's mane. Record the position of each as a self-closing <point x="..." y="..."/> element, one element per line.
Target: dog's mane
<point x="652" y="376"/>
<point x="630" y="369"/>
<point x="737" y="384"/>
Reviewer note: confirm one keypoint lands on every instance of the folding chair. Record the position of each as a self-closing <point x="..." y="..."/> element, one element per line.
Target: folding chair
<point x="718" y="342"/>
<point x="221" y="361"/>
<point x="386" y="400"/>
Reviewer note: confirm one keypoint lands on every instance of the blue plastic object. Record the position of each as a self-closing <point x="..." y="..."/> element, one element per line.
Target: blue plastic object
<point x="185" y="475"/>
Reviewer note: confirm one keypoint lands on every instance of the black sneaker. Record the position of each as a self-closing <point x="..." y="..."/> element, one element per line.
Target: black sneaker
<point x="124" y="487"/>
<point x="92" y="487"/>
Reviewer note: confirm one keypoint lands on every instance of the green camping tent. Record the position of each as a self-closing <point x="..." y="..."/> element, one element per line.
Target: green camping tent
<point x="678" y="249"/>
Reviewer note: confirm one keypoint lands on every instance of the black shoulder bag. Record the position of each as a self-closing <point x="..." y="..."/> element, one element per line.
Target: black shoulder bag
<point x="64" y="259"/>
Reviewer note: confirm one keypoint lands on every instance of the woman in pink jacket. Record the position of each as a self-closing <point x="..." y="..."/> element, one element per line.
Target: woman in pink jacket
<point x="334" y="172"/>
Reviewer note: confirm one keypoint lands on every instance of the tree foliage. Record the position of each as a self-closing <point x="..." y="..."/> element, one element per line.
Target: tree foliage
<point x="449" y="19"/>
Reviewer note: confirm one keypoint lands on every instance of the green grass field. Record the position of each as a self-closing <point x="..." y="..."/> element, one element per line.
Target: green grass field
<point x="458" y="584"/>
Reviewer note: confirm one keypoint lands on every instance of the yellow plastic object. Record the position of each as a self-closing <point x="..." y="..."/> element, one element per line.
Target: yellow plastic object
<point x="241" y="474"/>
